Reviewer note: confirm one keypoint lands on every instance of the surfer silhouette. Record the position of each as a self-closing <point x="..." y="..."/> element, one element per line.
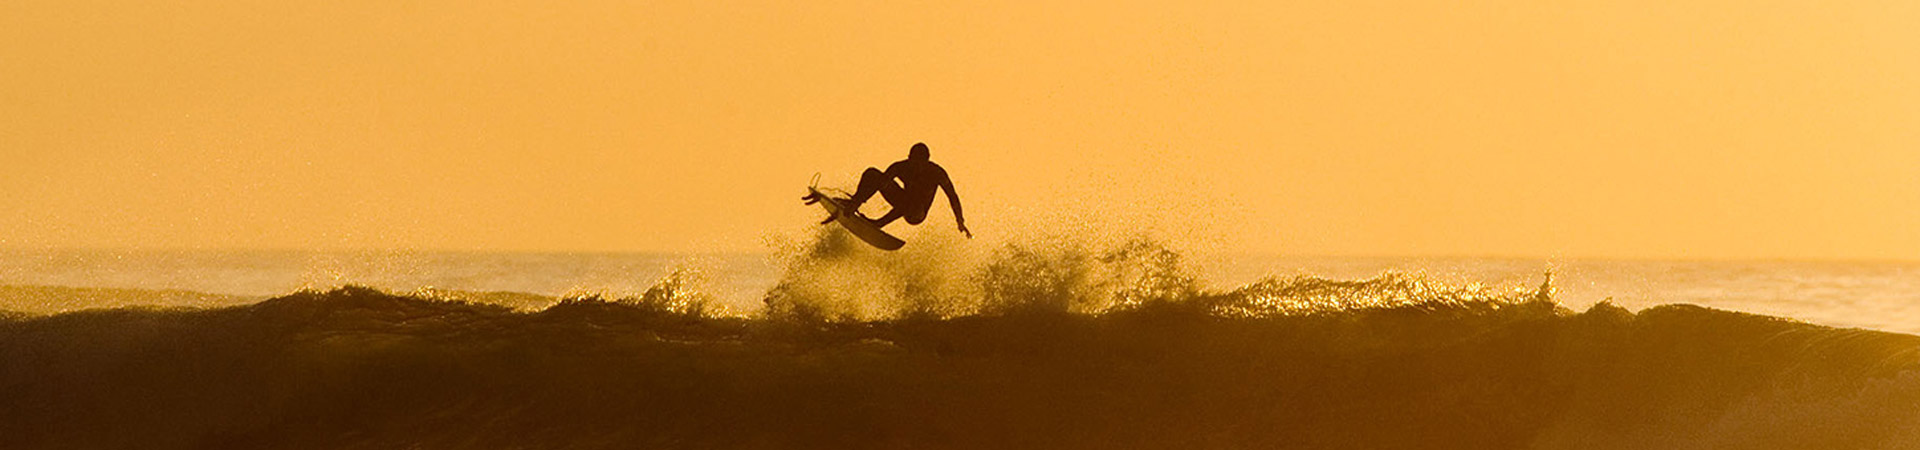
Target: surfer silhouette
<point x="908" y="186"/>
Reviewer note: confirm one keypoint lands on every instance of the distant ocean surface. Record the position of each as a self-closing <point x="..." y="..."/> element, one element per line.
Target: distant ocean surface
<point x="1874" y="295"/>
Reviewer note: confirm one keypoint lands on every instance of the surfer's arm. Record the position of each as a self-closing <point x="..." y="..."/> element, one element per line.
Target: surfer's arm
<point x="953" y="200"/>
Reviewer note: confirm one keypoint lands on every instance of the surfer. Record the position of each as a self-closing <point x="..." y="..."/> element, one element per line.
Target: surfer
<point x="912" y="195"/>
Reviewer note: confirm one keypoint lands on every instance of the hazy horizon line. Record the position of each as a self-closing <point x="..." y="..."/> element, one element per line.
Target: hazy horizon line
<point x="1243" y="253"/>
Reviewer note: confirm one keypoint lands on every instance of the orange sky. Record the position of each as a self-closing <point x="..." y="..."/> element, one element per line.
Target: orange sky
<point x="1605" y="128"/>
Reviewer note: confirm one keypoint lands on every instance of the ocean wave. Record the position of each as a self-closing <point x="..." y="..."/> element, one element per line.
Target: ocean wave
<point x="360" y="368"/>
<point x="1057" y="344"/>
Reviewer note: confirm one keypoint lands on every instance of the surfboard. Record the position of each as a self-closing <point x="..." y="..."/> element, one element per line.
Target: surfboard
<point x="855" y="223"/>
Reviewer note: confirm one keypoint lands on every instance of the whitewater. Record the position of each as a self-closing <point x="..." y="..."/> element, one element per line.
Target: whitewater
<point x="1855" y="294"/>
<point x="1044" y="343"/>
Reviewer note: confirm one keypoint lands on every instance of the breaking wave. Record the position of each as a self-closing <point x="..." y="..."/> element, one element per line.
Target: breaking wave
<point x="1040" y="345"/>
<point x="834" y="277"/>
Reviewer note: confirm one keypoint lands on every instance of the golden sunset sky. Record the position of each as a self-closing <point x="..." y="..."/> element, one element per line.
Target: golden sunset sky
<point x="1605" y="128"/>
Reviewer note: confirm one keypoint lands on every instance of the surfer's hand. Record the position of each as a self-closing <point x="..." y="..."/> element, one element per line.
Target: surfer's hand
<point x="963" y="230"/>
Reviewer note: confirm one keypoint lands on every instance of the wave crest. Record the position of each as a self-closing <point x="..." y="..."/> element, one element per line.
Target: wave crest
<point x="837" y="278"/>
<point x="358" y="368"/>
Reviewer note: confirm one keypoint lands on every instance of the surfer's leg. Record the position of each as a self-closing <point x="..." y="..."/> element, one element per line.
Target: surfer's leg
<point x="874" y="181"/>
<point x="914" y="214"/>
<point x="888" y="218"/>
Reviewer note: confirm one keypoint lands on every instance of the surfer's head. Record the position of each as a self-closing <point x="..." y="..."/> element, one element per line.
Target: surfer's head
<point x="918" y="152"/>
